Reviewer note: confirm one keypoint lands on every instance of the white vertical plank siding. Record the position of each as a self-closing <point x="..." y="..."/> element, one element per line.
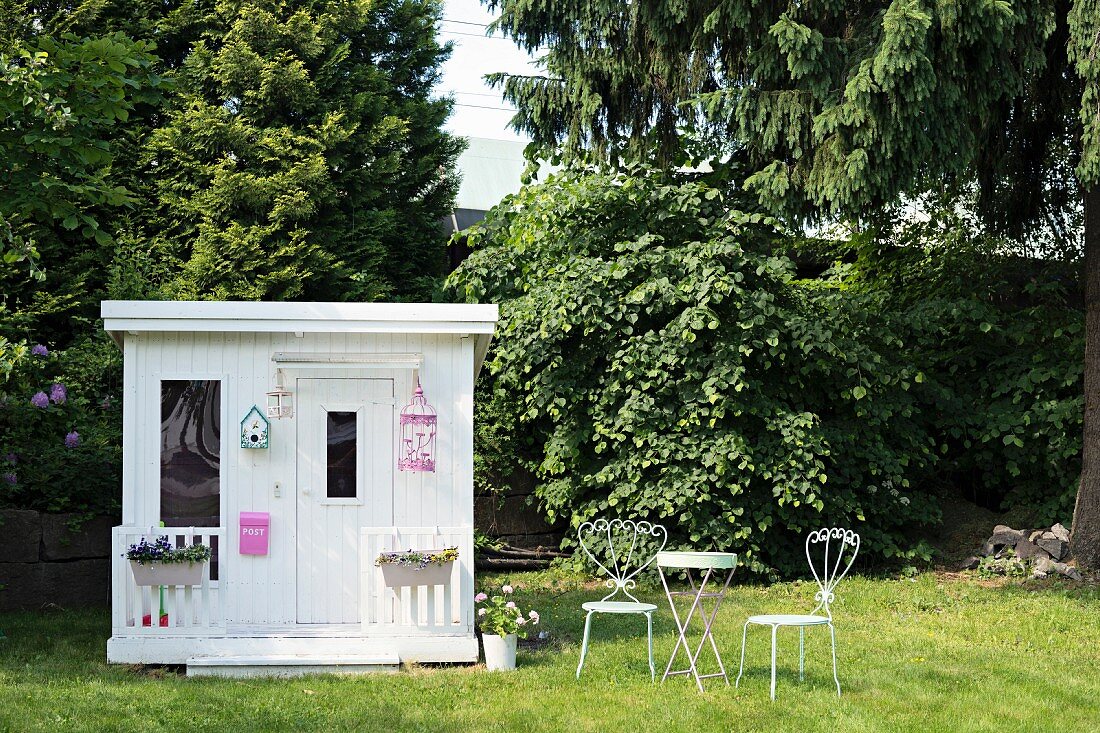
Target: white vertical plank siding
<point x="130" y="414"/>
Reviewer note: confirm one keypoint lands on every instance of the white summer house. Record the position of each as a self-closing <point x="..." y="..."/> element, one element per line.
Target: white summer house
<point x="273" y="433"/>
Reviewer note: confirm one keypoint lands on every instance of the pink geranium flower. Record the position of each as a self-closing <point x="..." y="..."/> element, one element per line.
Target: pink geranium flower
<point x="480" y="597"/>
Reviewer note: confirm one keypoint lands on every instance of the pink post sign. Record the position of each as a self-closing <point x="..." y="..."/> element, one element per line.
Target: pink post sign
<point x="255" y="528"/>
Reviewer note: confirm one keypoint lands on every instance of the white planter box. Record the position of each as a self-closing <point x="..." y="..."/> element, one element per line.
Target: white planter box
<point x="397" y="576"/>
<point x="176" y="573"/>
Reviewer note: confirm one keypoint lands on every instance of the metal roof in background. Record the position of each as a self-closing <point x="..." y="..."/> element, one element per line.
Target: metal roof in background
<point x="490" y="169"/>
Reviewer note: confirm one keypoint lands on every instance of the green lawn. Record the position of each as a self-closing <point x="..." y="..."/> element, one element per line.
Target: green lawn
<point x="931" y="654"/>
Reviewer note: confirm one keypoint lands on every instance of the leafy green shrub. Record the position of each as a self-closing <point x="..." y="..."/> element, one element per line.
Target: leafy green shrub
<point x="667" y="366"/>
<point x="60" y="428"/>
<point x="999" y="337"/>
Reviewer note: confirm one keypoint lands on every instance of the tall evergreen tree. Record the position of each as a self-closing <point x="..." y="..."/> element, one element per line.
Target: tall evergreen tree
<point x="302" y="156"/>
<point x="841" y="107"/>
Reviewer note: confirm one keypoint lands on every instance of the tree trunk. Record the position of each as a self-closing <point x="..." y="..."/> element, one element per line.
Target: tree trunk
<point x="1085" y="538"/>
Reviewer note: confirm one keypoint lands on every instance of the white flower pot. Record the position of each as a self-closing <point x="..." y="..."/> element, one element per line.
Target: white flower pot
<point x="500" y="652"/>
<point x="174" y="573"/>
<point x="396" y="576"/>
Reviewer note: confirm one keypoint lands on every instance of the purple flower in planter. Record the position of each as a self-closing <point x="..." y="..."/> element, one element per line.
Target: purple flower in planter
<point x="39" y="350"/>
<point x="58" y="393"/>
<point x="12" y="458"/>
<point x="10" y="478"/>
<point x="72" y="439"/>
<point x="40" y="400"/>
<point x="106" y="403"/>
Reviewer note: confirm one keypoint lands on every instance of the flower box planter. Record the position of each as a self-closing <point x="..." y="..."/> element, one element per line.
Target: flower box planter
<point x="396" y="576"/>
<point x="176" y="573"/>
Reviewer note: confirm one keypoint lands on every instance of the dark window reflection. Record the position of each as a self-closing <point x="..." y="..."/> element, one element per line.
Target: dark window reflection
<point x="341" y="455"/>
<point x="190" y="462"/>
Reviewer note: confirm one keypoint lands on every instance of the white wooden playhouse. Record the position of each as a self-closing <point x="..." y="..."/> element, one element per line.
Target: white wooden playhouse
<point x="296" y="508"/>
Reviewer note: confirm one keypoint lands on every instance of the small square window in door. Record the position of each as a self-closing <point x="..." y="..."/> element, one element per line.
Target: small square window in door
<point x="342" y="452"/>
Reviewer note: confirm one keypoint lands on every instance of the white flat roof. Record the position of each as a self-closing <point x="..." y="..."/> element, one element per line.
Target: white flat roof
<point x="138" y="316"/>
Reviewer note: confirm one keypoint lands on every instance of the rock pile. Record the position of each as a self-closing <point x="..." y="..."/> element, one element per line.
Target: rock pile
<point x="1044" y="550"/>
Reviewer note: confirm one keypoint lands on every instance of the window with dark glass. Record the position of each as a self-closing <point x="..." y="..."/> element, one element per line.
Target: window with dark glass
<point x="341" y="455"/>
<point x="190" y="452"/>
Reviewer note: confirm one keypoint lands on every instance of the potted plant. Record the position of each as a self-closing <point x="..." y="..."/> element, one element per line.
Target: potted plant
<point x="502" y="623"/>
<point x="417" y="567"/>
<point x="159" y="563"/>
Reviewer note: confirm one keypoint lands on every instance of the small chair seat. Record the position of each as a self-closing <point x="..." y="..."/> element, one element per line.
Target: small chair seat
<point x="618" y="607"/>
<point x="788" y="619"/>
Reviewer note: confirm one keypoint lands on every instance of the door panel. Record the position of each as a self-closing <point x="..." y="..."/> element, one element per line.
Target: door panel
<point x="345" y="481"/>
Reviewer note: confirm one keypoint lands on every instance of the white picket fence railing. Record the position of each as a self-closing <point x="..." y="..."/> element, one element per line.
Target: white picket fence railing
<point x="447" y="608"/>
<point x="187" y="610"/>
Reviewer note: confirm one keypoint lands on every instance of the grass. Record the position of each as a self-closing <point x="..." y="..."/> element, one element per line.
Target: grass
<point x="934" y="653"/>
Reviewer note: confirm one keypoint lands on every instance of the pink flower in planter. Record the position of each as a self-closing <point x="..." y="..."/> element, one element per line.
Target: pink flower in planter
<point x="481" y="612"/>
<point x="507" y="589"/>
<point x="510" y="604"/>
<point x="480" y="597"/>
<point x="534" y="617"/>
<point x="520" y="621"/>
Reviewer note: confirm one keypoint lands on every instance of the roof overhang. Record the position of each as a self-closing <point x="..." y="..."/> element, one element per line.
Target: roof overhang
<point x="188" y="316"/>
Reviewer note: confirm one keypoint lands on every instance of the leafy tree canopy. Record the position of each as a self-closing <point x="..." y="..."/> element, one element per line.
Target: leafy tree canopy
<point x="64" y="105"/>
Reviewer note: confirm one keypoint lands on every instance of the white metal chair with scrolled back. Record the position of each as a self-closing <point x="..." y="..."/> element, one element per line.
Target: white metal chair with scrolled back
<point x="616" y="541"/>
<point x="831" y="574"/>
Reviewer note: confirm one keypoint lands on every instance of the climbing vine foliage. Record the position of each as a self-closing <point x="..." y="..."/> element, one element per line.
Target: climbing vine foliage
<point x="671" y="368"/>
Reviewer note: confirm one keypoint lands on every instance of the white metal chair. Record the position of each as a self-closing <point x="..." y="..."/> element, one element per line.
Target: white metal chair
<point x="827" y="581"/>
<point x="621" y="568"/>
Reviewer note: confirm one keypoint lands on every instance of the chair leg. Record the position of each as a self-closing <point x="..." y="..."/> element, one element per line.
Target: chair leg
<point x="649" y="629"/>
<point x="832" y="634"/>
<point x="801" y="654"/>
<point x="584" y="644"/>
<point x="741" y="671"/>
<point x="774" y="630"/>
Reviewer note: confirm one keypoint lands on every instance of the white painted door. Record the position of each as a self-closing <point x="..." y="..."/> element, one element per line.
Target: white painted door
<point x="345" y="481"/>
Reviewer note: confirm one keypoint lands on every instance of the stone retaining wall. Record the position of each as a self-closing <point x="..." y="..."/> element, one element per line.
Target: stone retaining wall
<point x="44" y="563"/>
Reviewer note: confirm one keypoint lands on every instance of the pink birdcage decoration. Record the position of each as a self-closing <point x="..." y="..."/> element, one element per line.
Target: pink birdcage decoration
<point x="418" y="424"/>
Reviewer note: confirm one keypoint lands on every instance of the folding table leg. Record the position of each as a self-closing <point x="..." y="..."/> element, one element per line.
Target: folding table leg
<point x="774" y="630"/>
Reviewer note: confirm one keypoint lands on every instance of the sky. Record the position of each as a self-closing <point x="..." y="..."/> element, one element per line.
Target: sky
<point x="479" y="110"/>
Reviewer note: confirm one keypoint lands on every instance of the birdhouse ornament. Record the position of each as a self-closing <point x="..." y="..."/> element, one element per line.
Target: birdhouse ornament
<point x="254" y="429"/>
